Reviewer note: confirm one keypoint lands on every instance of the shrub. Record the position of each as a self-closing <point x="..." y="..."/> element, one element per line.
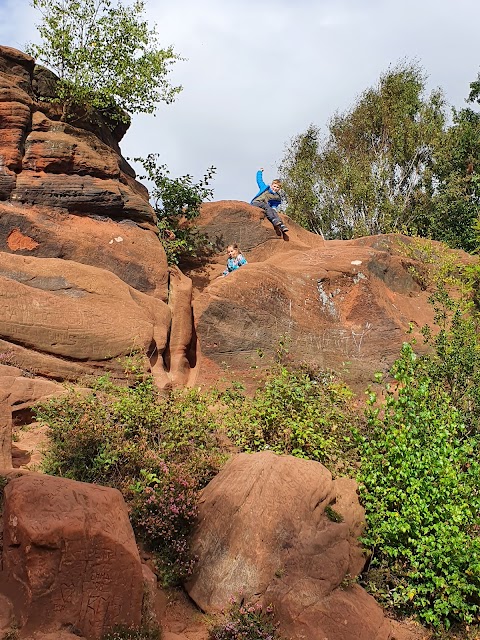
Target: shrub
<point x="420" y="480"/>
<point x="177" y="203"/>
<point x="246" y="622"/>
<point x="454" y="362"/>
<point x="158" y="452"/>
<point x="163" y="514"/>
<point x="109" y="434"/>
<point x="303" y="413"/>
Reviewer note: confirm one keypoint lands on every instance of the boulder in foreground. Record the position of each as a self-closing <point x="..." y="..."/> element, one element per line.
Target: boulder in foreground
<point x="69" y="556"/>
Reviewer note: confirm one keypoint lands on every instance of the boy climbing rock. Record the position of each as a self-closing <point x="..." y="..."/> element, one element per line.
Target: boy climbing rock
<point x="268" y="199"/>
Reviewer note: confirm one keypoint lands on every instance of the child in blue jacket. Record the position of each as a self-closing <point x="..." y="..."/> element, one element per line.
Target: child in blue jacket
<point x="268" y="199"/>
<point x="235" y="259"/>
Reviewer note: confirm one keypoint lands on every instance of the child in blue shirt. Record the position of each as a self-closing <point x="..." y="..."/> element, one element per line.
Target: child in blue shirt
<point x="235" y="259"/>
<point x="268" y="199"/>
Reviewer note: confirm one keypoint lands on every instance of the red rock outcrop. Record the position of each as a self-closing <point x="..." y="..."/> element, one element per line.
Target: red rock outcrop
<point x="19" y="393"/>
<point x="343" y="305"/>
<point x="67" y="194"/>
<point x="69" y="556"/>
<point x="263" y="535"/>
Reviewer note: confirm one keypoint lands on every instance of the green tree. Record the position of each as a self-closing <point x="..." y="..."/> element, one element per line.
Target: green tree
<point x="299" y="177"/>
<point x="373" y="172"/>
<point x="177" y="203"/>
<point x="105" y="55"/>
<point x="456" y="202"/>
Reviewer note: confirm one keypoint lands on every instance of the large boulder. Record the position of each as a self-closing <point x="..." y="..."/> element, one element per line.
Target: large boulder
<point x="342" y="305"/>
<point x="52" y="163"/>
<point x="266" y="533"/>
<point x="20" y="393"/>
<point x="73" y="313"/>
<point x="69" y="556"/>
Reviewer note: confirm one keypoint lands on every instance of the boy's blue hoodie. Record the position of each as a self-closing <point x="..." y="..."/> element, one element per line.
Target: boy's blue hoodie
<point x="266" y="187"/>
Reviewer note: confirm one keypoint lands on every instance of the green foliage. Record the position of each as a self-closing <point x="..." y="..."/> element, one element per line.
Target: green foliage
<point x="298" y="172"/>
<point x="454" y="362"/>
<point x="177" y="203"/>
<point x="455" y="205"/>
<point x="159" y="453"/>
<point x="436" y="265"/>
<point x="373" y="173"/>
<point x="302" y="413"/>
<point x="246" y="622"/>
<point x="110" y="434"/>
<point x="474" y="95"/>
<point x="105" y="55"/>
<point x="333" y="515"/>
<point x="164" y="511"/>
<point x="420" y="481"/>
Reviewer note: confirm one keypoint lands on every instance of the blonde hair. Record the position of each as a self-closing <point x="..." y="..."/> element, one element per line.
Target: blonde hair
<point x="277" y="181"/>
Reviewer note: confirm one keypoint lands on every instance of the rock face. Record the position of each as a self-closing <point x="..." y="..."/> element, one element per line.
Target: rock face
<point x="69" y="556"/>
<point x="20" y="393"/>
<point x="343" y="305"/>
<point x="82" y="273"/>
<point x="68" y="197"/>
<point x="264" y="534"/>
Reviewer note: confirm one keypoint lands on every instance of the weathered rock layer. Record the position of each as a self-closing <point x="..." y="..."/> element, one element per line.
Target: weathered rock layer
<point x="71" y="211"/>
<point x="341" y="305"/>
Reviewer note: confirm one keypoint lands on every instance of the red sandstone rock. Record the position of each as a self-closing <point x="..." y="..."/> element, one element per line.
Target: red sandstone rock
<point x="16" y="241"/>
<point x="21" y="393"/>
<point x="67" y="193"/>
<point x="6" y="616"/>
<point x="263" y="534"/>
<point x="344" y="305"/>
<point x="133" y="254"/>
<point x="76" y="311"/>
<point x="57" y="147"/>
<point x="70" y="552"/>
<point x="180" y="303"/>
<point x="57" y="164"/>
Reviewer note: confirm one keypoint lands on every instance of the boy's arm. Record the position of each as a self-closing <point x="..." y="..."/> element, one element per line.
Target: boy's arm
<point x="260" y="182"/>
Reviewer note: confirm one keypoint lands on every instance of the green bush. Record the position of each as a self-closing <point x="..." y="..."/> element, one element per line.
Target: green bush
<point x="163" y="514"/>
<point x="420" y="484"/>
<point x="177" y="203"/>
<point x="454" y="362"/>
<point x="157" y="452"/>
<point x="303" y="413"/>
<point x="109" y="434"/>
<point x="160" y="451"/>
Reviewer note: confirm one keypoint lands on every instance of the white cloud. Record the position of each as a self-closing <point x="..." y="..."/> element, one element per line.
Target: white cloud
<point x="260" y="72"/>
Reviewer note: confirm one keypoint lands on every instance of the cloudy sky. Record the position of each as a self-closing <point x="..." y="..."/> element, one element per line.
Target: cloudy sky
<point x="258" y="73"/>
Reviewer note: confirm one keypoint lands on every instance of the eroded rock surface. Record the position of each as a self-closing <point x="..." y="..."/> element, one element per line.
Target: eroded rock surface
<point x="18" y="393"/>
<point x="69" y="556"/>
<point x="343" y="305"/>
<point x="264" y="535"/>
<point x="69" y="201"/>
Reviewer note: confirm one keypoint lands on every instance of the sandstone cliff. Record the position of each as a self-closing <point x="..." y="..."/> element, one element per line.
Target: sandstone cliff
<point x="83" y="277"/>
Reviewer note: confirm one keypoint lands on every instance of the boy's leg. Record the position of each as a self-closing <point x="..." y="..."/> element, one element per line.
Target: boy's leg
<point x="270" y="213"/>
